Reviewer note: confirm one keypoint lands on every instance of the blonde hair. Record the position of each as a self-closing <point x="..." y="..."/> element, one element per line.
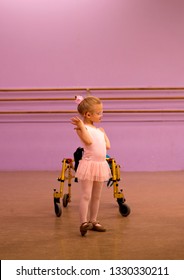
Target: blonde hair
<point x="87" y="104"/>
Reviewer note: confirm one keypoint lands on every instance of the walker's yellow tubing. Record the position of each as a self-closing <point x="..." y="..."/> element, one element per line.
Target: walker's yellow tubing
<point x="116" y="177"/>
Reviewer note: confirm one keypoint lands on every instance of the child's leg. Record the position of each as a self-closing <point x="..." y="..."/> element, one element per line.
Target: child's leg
<point x="95" y="200"/>
<point x="86" y="189"/>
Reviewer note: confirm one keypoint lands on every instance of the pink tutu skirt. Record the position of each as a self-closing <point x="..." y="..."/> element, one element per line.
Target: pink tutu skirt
<point x="93" y="170"/>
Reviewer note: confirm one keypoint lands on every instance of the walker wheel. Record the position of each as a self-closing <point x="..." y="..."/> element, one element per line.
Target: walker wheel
<point x="65" y="199"/>
<point x="124" y="209"/>
<point x="57" y="209"/>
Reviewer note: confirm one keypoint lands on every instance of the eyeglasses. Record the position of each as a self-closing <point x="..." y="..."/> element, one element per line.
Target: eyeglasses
<point x="98" y="113"/>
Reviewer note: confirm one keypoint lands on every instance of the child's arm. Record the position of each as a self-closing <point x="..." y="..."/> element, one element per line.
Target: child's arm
<point x="107" y="141"/>
<point x="81" y="130"/>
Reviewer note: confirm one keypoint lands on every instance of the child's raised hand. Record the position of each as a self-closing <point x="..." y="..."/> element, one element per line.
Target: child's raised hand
<point x="77" y="122"/>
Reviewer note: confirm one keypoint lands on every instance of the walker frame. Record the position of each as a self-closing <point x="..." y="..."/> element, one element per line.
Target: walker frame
<point x="67" y="171"/>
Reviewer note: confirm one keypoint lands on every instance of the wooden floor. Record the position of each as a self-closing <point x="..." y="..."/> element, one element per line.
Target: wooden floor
<point x="31" y="230"/>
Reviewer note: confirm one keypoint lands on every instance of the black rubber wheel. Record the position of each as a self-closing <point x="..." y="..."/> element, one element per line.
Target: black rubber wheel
<point x="65" y="199"/>
<point x="124" y="209"/>
<point x="57" y="208"/>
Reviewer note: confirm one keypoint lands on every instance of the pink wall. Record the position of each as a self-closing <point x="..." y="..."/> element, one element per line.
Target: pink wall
<point x="69" y="43"/>
<point x="91" y="43"/>
<point x="140" y="141"/>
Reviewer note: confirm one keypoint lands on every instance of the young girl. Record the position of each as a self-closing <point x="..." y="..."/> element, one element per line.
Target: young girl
<point x="93" y="168"/>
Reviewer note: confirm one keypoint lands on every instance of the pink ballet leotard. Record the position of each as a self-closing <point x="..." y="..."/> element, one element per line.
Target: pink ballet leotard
<point x="93" y="165"/>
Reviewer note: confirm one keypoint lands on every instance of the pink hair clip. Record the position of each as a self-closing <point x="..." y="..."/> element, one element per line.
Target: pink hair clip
<point x="78" y="99"/>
